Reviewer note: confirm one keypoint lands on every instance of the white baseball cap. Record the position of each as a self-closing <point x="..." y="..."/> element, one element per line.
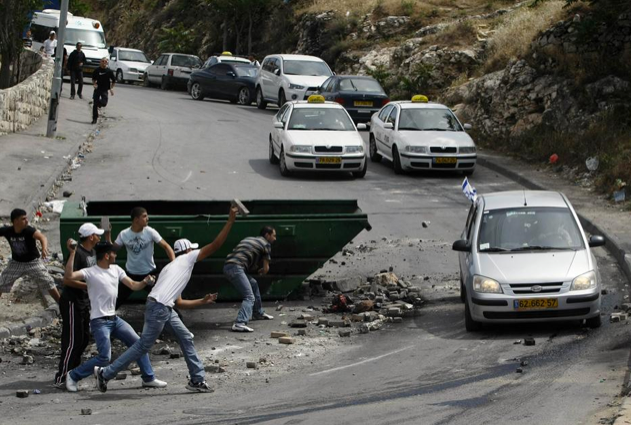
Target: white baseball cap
<point x="89" y="229"/>
<point x="182" y="245"/>
<point x="52" y="32"/>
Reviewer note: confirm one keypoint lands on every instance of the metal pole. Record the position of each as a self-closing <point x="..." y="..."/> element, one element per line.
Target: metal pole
<point x="57" y="76"/>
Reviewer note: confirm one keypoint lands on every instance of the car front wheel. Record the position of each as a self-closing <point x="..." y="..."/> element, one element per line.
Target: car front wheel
<point x="260" y="100"/>
<point x="244" y="96"/>
<point x="284" y="171"/>
<point x="396" y="161"/>
<point x="196" y="92"/>
<point x="375" y="156"/>
<point x="281" y="98"/>
<point x="272" y="156"/>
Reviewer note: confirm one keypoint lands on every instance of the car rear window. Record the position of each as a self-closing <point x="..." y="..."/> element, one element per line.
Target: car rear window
<point x="312" y="68"/>
<point x="360" y="85"/>
<point x="187" y="61"/>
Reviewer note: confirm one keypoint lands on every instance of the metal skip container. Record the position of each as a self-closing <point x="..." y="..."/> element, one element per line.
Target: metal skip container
<point x="309" y="232"/>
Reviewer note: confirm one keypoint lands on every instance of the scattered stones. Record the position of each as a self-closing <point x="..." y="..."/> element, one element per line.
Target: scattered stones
<point x="344" y="333"/>
<point x="529" y="341"/>
<point x="626" y="307"/>
<point x="524" y="363"/>
<point x="21" y="393"/>
<point x="214" y="369"/>
<point x="519" y="370"/>
<point x="618" y="317"/>
<point x="251" y="365"/>
<point x="302" y="332"/>
<point x="397" y="319"/>
<point x="286" y="340"/>
<point x="298" y="323"/>
<point x="27" y="360"/>
<point x="86" y="412"/>
<point x="425" y="224"/>
<point x="67" y="193"/>
<point x="323" y="321"/>
<point x="276" y="334"/>
<point x="279" y="307"/>
<point x="135" y="371"/>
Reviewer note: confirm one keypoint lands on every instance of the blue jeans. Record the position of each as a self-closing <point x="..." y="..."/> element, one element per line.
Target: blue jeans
<point x="157" y="317"/>
<point x="102" y="330"/>
<point x="249" y="290"/>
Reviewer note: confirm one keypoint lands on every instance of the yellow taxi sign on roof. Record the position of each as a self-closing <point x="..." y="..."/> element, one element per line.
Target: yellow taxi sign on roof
<point x="315" y="98"/>
<point x="226" y="53"/>
<point x="419" y="98"/>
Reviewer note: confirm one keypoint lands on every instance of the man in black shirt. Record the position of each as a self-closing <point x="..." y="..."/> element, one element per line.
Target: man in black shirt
<point x="75" y="66"/>
<point x="28" y="40"/>
<point x="74" y="306"/>
<point x="103" y="79"/>
<point x="25" y="257"/>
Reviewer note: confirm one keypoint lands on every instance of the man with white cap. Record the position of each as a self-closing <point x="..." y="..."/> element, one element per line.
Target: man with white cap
<point x="50" y="44"/>
<point x="159" y="312"/>
<point x="74" y="306"/>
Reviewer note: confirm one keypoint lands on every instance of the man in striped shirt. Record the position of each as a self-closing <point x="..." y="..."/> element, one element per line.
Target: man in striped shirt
<point x="252" y="254"/>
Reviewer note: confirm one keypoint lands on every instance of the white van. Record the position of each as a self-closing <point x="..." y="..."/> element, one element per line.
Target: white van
<point x="85" y="30"/>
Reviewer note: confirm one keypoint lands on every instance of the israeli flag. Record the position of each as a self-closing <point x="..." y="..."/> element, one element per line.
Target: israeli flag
<point x="468" y="190"/>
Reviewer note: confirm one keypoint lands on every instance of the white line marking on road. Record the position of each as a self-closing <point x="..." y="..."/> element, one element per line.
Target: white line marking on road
<point x="190" y="173"/>
<point x="362" y="362"/>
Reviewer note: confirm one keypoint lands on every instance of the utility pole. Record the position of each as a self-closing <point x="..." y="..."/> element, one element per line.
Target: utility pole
<point x="58" y="74"/>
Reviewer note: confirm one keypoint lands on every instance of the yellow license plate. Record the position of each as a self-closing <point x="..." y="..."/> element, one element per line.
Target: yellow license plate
<point x="445" y="160"/>
<point x="87" y="70"/>
<point x="328" y="160"/>
<point x="536" y="303"/>
<point x="363" y="103"/>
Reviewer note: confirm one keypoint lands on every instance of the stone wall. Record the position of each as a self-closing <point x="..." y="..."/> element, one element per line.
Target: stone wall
<point x="24" y="103"/>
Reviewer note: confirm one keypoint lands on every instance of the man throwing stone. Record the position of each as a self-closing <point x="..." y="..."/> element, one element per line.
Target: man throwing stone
<point x="159" y="312"/>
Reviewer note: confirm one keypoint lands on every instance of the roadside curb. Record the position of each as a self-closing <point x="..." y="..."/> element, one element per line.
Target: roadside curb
<point x="613" y="246"/>
<point x="8" y="329"/>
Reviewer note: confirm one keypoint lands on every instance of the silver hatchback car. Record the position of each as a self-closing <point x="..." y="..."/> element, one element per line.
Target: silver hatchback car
<point x="524" y="257"/>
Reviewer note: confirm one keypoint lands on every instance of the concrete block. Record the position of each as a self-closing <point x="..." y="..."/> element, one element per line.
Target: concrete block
<point x="344" y="333"/>
<point x="286" y="340"/>
<point x="21" y="393"/>
<point x="4" y="333"/>
<point x="302" y="332"/>
<point x="214" y="369"/>
<point x="276" y="334"/>
<point x="251" y="365"/>
<point x="298" y="324"/>
<point x="86" y="412"/>
<point x="323" y="321"/>
<point x="529" y="341"/>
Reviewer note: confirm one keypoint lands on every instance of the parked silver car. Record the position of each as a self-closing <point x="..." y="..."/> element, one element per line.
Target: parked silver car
<point x="524" y="257"/>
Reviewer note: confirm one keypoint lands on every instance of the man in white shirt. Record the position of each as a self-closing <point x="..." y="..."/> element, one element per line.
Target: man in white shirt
<point x="138" y="240"/>
<point x="159" y="312"/>
<point x="102" y="283"/>
<point x="50" y="44"/>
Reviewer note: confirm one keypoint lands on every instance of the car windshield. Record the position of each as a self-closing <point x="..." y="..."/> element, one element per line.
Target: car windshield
<point x="528" y="229"/>
<point x="86" y="37"/>
<point x="360" y="84"/>
<point x="246" y="71"/>
<point x="425" y="119"/>
<point x="311" y="68"/>
<point x="187" y="61"/>
<point x="125" y="55"/>
<point x="323" y="119"/>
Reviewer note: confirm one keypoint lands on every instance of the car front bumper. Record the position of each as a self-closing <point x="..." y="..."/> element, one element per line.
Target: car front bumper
<point x="438" y="162"/>
<point x="134" y="76"/>
<point x="347" y="163"/>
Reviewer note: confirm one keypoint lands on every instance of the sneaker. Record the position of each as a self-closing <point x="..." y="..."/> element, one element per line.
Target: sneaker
<point x="80" y="97"/>
<point x="101" y="383"/>
<point x="93" y="121"/>
<point x="60" y="385"/>
<point x="264" y="316"/>
<point x="241" y="327"/>
<point x="72" y="97"/>
<point x="71" y="384"/>
<point x="200" y="387"/>
<point x="156" y="383"/>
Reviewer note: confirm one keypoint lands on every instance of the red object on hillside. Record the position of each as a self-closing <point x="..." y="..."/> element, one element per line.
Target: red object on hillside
<point x="554" y="158"/>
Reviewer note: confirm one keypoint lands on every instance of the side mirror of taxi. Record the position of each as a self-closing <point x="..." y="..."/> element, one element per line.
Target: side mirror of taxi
<point x="279" y="124"/>
<point x="361" y="126"/>
<point x="461" y="246"/>
<point x="277" y="71"/>
<point x="468" y="126"/>
<point x="388" y="126"/>
<point x="596" y="240"/>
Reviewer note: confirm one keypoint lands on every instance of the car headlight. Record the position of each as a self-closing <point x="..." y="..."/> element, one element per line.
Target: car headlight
<point x="354" y="149"/>
<point x="296" y="87"/>
<point x="300" y="149"/>
<point x="584" y="281"/>
<point x="486" y="285"/>
<point x="416" y="149"/>
<point x="133" y="70"/>
<point x="468" y="149"/>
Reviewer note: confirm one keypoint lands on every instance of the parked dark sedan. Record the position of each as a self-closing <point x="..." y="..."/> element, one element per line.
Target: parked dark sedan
<point x="233" y="82"/>
<point x="361" y="96"/>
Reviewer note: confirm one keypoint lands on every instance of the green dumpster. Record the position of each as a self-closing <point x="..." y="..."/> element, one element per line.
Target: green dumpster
<point x="308" y="234"/>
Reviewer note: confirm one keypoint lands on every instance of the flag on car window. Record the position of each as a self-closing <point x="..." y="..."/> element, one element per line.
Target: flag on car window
<point x="468" y="190"/>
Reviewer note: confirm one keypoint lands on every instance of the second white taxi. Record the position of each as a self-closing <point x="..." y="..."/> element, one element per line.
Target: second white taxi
<point x="315" y="135"/>
<point x="419" y="135"/>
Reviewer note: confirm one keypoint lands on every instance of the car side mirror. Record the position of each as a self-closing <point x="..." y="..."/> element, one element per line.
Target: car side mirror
<point x="361" y="126"/>
<point x="468" y="126"/>
<point x="277" y="72"/>
<point x="388" y="126"/>
<point x="596" y="240"/>
<point x="151" y="62"/>
<point x="113" y="58"/>
<point x="461" y="246"/>
<point x="231" y="74"/>
<point x="279" y="124"/>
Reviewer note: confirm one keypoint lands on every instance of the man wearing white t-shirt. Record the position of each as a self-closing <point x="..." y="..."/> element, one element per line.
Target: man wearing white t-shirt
<point x="50" y="44"/>
<point x="102" y="282"/>
<point x="138" y="240"/>
<point x="159" y="312"/>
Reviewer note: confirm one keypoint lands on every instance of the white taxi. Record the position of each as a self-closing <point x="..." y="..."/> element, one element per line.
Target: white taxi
<point x="420" y="135"/>
<point x="315" y="135"/>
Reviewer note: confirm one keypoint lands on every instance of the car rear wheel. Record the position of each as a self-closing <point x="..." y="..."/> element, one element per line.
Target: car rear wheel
<point x="396" y="161"/>
<point x="284" y="171"/>
<point x="196" y="92"/>
<point x="281" y="98"/>
<point x="360" y="174"/>
<point x="375" y="156"/>
<point x="470" y="324"/>
<point x="272" y="156"/>
<point x="119" y="77"/>
<point x="594" y="322"/>
<point x="260" y="100"/>
<point x="164" y="85"/>
<point x="244" y="96"/>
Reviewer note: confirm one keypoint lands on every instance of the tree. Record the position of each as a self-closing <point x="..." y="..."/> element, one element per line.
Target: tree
<point x="179" y="39"/>
<point x="14" y="17"/>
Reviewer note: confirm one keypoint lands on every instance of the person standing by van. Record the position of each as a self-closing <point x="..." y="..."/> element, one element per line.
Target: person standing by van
<point x="103" y="80"/>
<point x="75" y="66"/>
<point x="50" y="44"/>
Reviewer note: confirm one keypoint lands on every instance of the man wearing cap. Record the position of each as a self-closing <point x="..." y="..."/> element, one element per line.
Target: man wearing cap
<point x="74" y="306"/>
<point x="25" y="257"/>
<point x="50" y="44"/>
<point x="251" y="254"/>
<point x="159" y="312"/>
<point x="102" y="282"/>
<point x="139" y="240"/>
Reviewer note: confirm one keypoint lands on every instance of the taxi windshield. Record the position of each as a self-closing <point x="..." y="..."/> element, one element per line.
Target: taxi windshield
<point x="425" y="119"/>
<point x="132" y="56"/>
<point x="322" y="119"/>
<point x="311" y="68"/>
<point x="528" y="229"/>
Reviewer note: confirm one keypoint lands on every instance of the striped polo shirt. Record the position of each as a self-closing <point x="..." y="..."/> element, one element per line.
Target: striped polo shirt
<point x="249" y="253"/>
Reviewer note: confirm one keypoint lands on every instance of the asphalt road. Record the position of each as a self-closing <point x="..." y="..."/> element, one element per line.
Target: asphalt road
<point x="163" y="145"/>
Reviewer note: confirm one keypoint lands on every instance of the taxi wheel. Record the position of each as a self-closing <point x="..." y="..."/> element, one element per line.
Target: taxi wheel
<point x="244" y="96"/>
<point x="362" y="173"/>
<point x="594" y="322"/>
<point x="284" y="171"/>
<point x="374" y="154"/>
<point x="272" y="156"/>
<point x="260" y="100"/>
<point x="470" y="324"/>
<point x="396" y="161"/>
<point x="196" y="92"/>
<point x="119" y="77"/>
<point x="281" y="98"/>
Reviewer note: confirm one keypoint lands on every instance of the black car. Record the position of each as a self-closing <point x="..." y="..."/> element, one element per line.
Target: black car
<point x="361" y="96"/>
<point x="233" y="82"/>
